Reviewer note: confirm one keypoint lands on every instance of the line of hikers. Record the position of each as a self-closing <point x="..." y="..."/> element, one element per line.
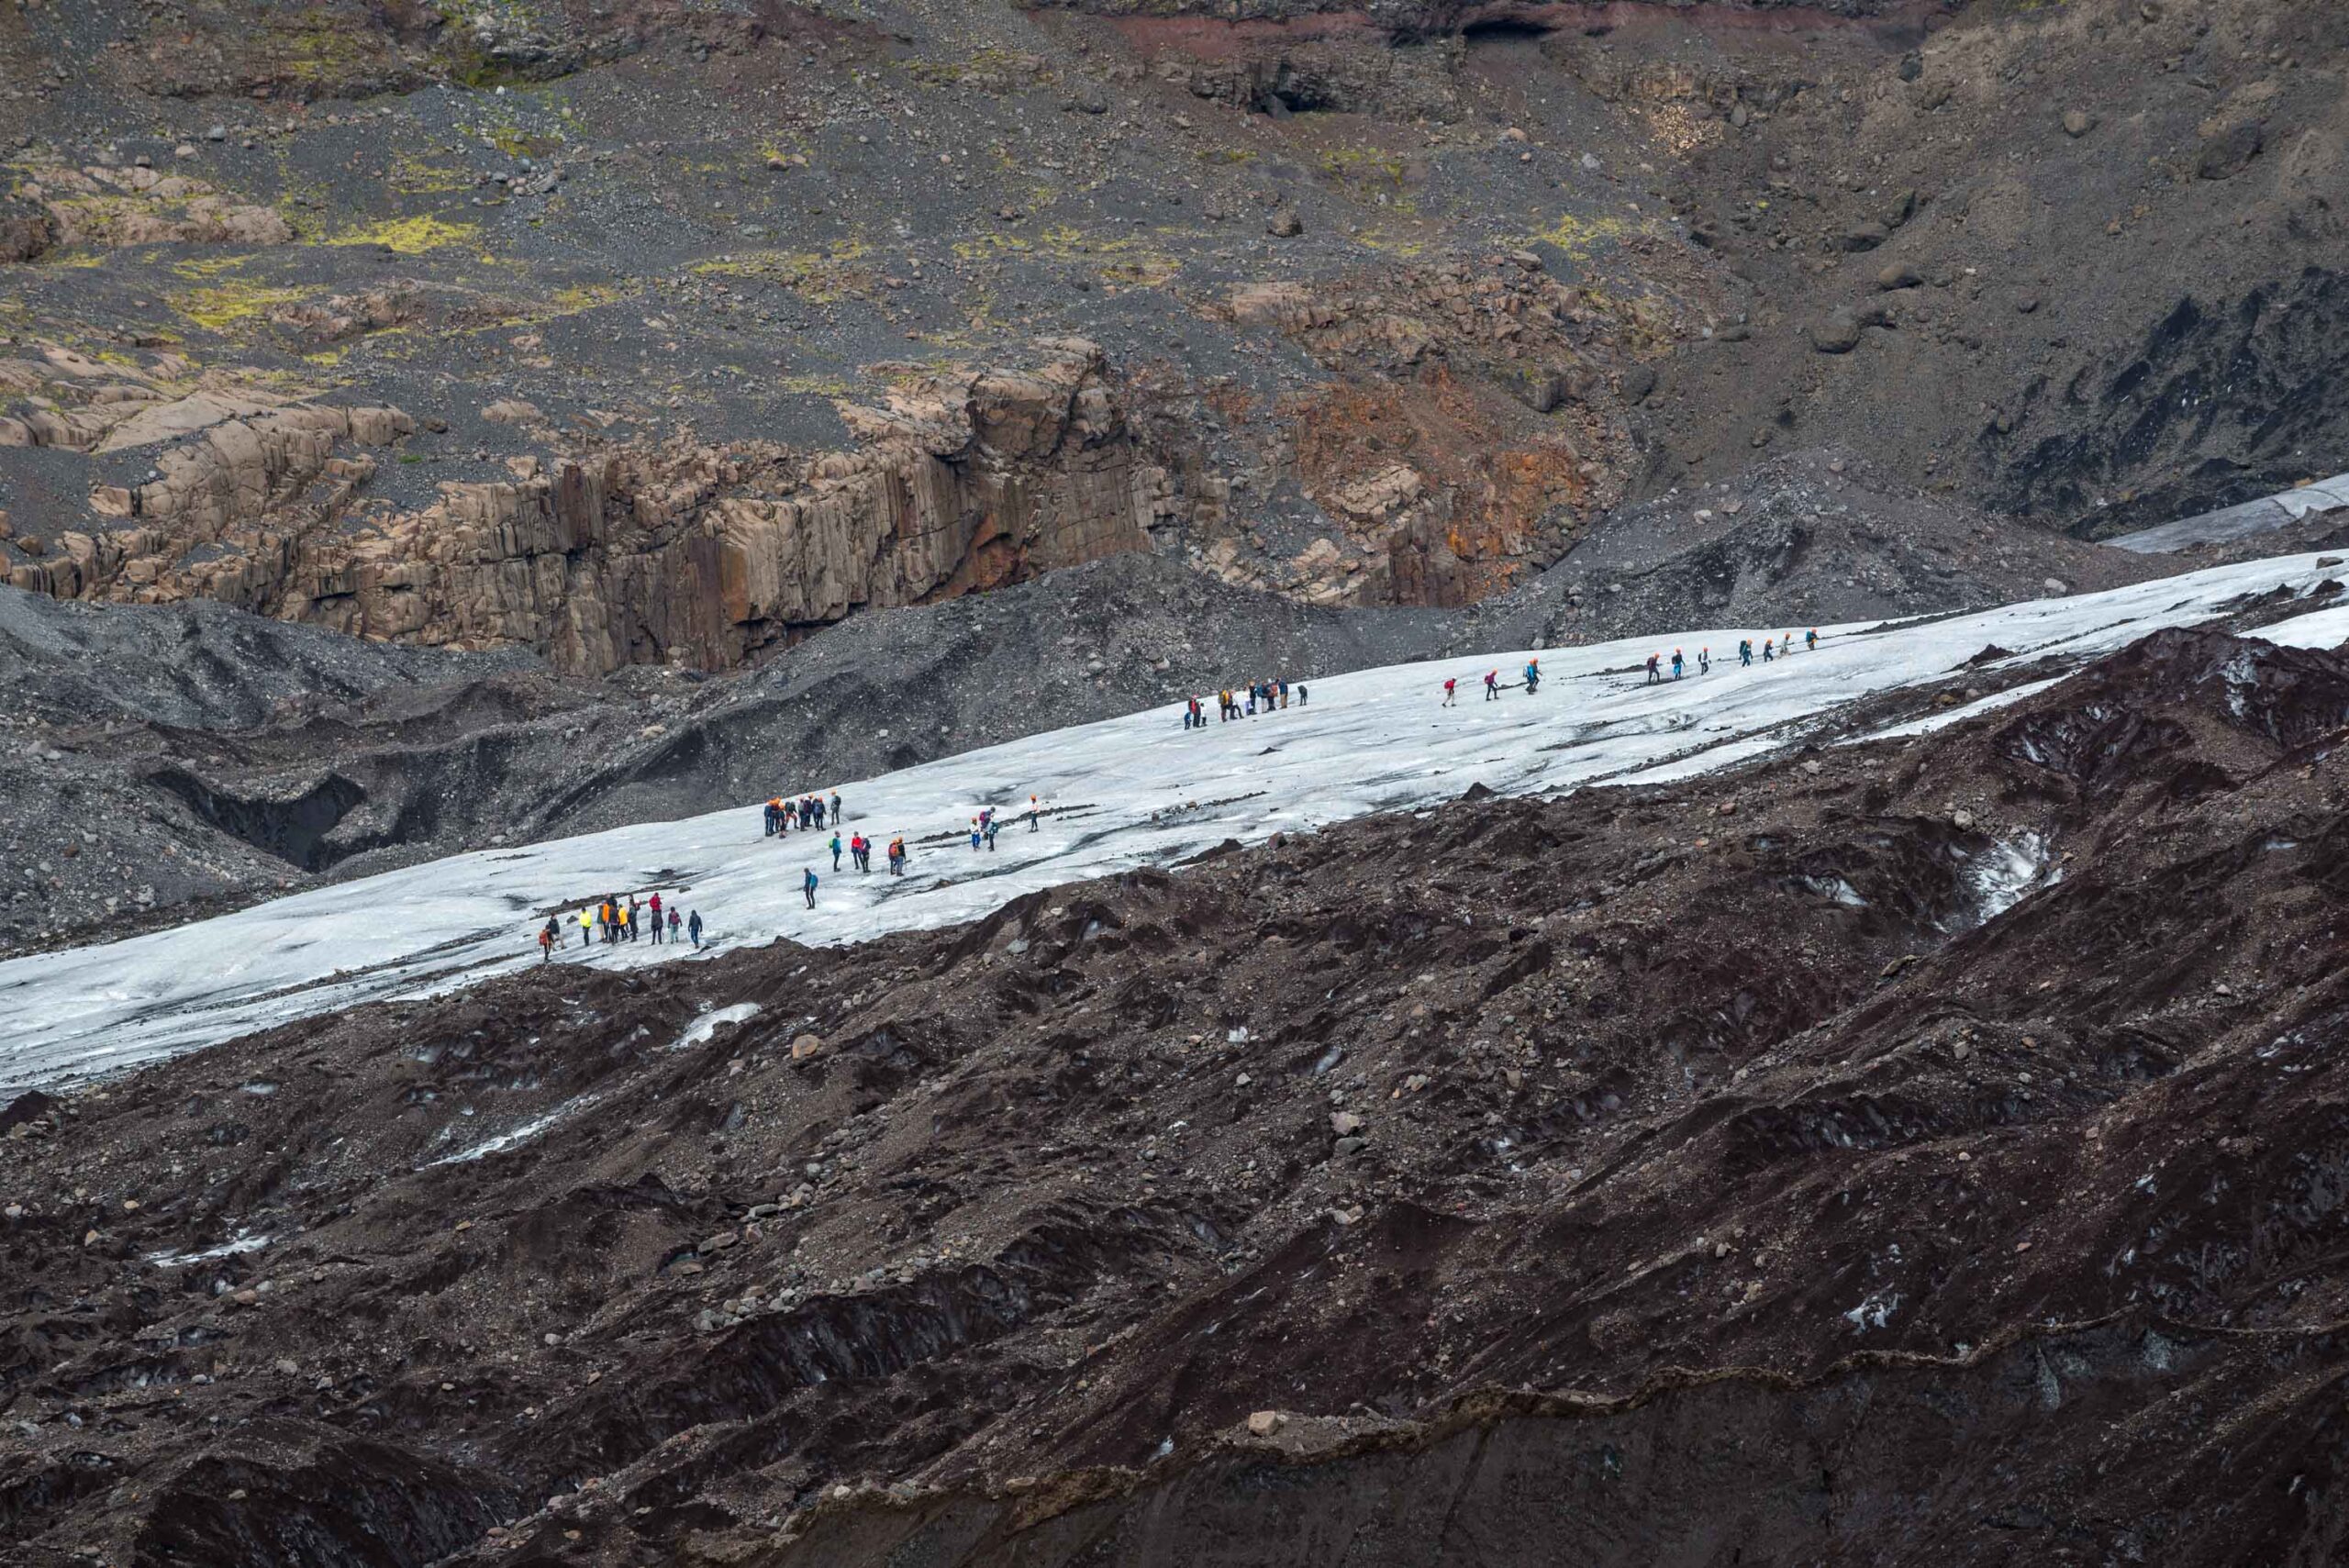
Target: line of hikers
<point x="1243" y="702"/>
<point x="612" y="919"/>
<point x="1495" y="685"/>
<point x="808" y="811"/>
<point x="1770" y="651"/>
<point x="1532" y="683"/>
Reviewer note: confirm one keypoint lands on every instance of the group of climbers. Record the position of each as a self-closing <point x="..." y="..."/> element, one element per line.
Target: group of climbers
<point x="1779" y="650"/>
<point x="1244" y="702"/>
<point x="983" y="827"/>
<point x="807" y="811"/>
<point x="1770" y="651"/>
<point x="859" y="855"/>
<point x="1495" y="685"/>
<point x="615" y="920"/>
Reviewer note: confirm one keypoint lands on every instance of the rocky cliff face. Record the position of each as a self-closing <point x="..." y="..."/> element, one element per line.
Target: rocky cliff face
<point x="687" y="553"/>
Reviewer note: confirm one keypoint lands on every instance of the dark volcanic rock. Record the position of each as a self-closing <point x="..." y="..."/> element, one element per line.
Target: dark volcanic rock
<point x="1807" y="538"/>
<point x="1689" y="1146"/>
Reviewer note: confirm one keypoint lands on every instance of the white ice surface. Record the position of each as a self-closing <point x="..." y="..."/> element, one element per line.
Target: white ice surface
<point x="1120" y="794"/>
<point x="2319" y="628"/>
<point x="518" y="1136"/>
<point x="244" y="1240"/>
<point x="702" y="1028"/>
<point x="2263" y="516"/>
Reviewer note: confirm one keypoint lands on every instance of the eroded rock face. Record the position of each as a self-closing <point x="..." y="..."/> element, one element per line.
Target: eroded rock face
<point x="111" y="205"/>
<point x="687" y="553"/>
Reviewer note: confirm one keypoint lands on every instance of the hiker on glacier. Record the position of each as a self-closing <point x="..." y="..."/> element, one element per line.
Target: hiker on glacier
<point x="835" y="847"/>
<point x="1810" y="640"/>
<point x="807" y="884"/>
<point x="1656" y="669"/>
<point x="692" y="929"/>
<point x="1677" y="663"/>
<point x="1705" y="660"/>
<point x="1532" y="676"/>
<point x="546" y="934"/>
<point x="1492" y="686"/>
<point x="1451" y="691"/>
<point x="1745" y="652"/>
<point x="673" y="924"/>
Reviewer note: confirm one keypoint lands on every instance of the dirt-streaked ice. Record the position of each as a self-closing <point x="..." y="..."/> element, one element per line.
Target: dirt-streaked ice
<point x="1117" y="793"/>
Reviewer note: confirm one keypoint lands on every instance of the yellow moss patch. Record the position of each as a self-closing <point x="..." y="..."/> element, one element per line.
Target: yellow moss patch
<point x="222" y="307"/>
<point x="413" y="176"/>
<point x="407" y="236"/>
<point x="1361" y="164"/>
<point x="979" y="247"/>
<point x="830" y="386"/>
<point x="202" y="269"/>
<point x="1392" y="244"/>
<point x="1578" y="236"/>
<point x="587" y="296"/>
<point x="819" y="277"/>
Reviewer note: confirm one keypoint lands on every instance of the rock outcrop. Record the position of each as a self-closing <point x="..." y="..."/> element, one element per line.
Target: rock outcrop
<point x="110" y="205"/>
<point x="686" y="554"/>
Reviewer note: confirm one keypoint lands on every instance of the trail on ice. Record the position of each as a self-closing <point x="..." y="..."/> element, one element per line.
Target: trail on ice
<point x="1118" y="793"/>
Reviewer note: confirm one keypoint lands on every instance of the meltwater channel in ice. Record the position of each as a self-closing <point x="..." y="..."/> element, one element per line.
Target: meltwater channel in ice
<point x="1122" y="793"/>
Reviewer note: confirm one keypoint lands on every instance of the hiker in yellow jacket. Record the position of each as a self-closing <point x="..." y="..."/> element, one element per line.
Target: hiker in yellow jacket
<point x="587" y="927"/>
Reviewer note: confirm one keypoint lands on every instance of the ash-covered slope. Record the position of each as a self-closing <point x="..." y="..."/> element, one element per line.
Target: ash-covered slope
<point x="1804" y="540"/>
<point x="1921" y="1145"/>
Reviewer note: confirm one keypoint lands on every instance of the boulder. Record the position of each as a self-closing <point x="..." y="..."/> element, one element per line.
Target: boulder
<point x="2229" y="150"/>
<point x="1865" y="235"/>
<point x="26" y="230"/>
<point x="1837" y="333"/>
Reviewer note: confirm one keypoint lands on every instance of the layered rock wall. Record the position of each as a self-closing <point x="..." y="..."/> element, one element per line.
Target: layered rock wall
<point x="692" y="553"/>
